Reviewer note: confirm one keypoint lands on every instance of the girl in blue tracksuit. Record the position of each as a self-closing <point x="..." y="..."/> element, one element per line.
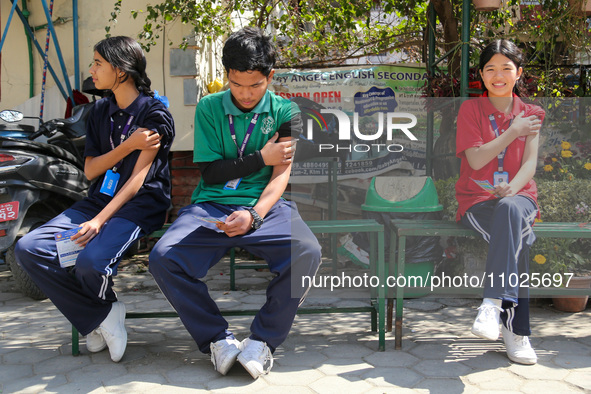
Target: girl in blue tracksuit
<point x="129" y="136"/>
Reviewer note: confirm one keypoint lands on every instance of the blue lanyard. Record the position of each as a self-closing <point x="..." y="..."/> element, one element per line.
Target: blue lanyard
<point x="500" y="156"/>
<point x="122" y="137"/>
<point x="249" y="131"/>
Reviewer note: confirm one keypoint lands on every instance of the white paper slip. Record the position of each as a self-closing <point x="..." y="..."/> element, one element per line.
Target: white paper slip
<point x="67" y="250"/>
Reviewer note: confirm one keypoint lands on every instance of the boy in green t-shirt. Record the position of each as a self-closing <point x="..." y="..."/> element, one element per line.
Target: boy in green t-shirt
<point x="244" y="147"/>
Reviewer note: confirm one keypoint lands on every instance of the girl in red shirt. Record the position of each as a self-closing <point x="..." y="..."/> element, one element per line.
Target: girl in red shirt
<point x="497" y="142"/>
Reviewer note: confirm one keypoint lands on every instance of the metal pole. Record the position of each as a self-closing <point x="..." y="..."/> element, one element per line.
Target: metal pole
<point x="76" y="46"/>
<point x="7" y="24"/>
<point x="45" y="61"/>
<point x="26" y="13"/>
<point x="465" y="63"/>
<point x="430" y="71"/>
<point x="58" y="50"/>
<point x="40" y="50"/>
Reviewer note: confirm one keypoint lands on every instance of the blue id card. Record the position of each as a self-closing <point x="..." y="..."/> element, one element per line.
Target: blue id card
<point x="110" y="183"/>
<point x="500" y="177"/>
<point x="233" y="184"/>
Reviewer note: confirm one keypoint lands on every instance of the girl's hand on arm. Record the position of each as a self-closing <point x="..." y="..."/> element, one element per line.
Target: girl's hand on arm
<point x="143" y="139"/>
<point x="525" y="126"/>
<point x="521" y="126"/>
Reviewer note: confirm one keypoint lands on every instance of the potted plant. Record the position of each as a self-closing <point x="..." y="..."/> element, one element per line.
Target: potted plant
<point x="564" y="200"/>
<point x="559" y="262"/>
<point x="486" y="5"/>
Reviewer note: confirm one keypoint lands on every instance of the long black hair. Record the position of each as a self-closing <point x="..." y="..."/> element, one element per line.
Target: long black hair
<point x="248" y="49"/>
<point x="127" y="55"/>
<point x="512" y="52"/>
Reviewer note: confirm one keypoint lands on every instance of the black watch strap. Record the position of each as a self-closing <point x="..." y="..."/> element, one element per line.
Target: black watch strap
<point x="257" y="219"/>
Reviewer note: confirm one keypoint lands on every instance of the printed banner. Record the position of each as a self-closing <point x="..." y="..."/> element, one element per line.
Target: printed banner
<point x="366" y="117"/>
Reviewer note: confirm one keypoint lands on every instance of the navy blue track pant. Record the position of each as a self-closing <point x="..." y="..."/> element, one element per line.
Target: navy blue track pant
<point x="83" y="293"/>
<point x="188" y="250"/>
<point x="506" y="224"/>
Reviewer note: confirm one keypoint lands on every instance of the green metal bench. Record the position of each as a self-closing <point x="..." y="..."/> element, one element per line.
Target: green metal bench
<point x="377" y="307"/>
<point x="403" y="228"/>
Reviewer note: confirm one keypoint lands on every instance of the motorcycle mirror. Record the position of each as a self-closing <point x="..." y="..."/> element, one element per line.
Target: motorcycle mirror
<point x="11" y="116"/>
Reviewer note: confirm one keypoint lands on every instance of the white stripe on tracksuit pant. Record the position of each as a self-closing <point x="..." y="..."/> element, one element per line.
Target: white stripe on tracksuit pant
<point x="506" y="224"/>
<point x="82" y="293"/>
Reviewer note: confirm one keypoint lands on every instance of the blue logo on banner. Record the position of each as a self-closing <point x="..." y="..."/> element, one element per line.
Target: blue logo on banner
<point x="375" y="100"/>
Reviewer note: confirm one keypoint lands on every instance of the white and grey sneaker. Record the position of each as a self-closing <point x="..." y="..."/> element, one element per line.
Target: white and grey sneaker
<point x="224" y="353"/>
<point x="487" y="322"/>
<point x="256" y="357"/>
<point x="95" y="341"/>
<point x="519" y="349"/>
<point x="113" y="331"/>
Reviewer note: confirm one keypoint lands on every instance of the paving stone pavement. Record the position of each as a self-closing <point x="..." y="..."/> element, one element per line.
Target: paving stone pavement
<point x="324" y="353"/>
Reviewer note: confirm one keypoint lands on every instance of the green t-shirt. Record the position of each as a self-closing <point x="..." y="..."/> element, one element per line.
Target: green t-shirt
<point x="213" y="141"/>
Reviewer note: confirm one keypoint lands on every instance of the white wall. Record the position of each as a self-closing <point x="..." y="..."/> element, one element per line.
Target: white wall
<point x="93" y="17"/>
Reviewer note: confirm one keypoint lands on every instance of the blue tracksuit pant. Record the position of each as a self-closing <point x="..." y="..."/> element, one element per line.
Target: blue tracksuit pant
<point x="189" y="249"/>
<point x="506" y="224"/>
<point x="83" y="293"/>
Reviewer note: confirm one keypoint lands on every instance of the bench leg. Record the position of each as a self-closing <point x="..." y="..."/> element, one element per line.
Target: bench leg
<point x="398" y="333"/>
<point x="389" y="315"/>
<point x="399" y="294"/>
<point x="391" y="271"/>
<point x="381" y="324"/>
<point x="75" y="342"/>
<point x="381" y="292"/>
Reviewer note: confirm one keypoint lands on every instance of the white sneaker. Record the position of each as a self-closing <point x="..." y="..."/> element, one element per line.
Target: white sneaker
<point x="256" y="357"/>
<point x="112" y="329"/>
<point x="487" y="322"/>
<point x="224" y="353"/>
<point x="95" y="341"/>
<point x="519" y="349"/>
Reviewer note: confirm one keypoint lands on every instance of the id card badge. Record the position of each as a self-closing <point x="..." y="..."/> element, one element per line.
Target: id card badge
<point x="110" y="183"/>
<point x="233" y="184"/>
<point x="500" y="177"/>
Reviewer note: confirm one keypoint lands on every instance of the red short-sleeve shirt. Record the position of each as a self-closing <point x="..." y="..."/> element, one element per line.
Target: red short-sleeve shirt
<point x="474" y="129"/>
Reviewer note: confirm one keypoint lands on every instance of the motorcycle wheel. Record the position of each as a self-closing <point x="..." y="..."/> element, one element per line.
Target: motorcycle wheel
<point x="22" y="279"/>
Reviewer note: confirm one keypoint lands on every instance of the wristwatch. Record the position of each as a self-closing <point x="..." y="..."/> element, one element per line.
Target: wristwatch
<point x="257" y="220"/>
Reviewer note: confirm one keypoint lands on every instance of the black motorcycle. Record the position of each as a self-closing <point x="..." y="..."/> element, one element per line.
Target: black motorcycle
<point x="38" y="180"/>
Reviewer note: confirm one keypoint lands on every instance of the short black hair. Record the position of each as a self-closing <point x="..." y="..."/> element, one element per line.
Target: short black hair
<point x="249" y="49"/>
<point x="508" y="49"/>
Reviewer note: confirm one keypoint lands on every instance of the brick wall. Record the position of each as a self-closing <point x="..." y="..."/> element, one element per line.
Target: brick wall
<point x="185" y="177"/>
